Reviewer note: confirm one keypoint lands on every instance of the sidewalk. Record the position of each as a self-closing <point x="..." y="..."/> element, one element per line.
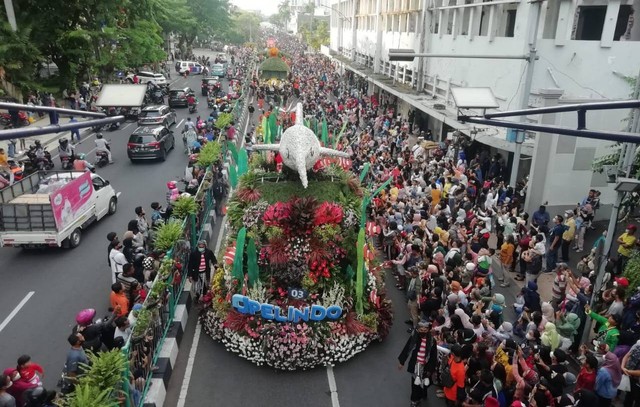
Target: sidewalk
<point x="47" y="139"/>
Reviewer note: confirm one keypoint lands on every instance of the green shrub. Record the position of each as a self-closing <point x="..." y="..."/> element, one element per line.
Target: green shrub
<point x="632" y="270"/>
<point x="86" y="395"/>
<point x="142" y="322"/>
<point x="105" y="371"/>
<point x="209" y="154"/>
<point x="223" y="120"/>
<point x="167" y="235"/>
<point x="184" y="206"/>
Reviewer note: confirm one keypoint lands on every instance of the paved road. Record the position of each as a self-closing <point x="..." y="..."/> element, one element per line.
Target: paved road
<point x="66" y="281"/>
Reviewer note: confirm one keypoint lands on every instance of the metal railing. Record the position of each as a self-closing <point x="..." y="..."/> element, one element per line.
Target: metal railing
<point x="143" y="350"/>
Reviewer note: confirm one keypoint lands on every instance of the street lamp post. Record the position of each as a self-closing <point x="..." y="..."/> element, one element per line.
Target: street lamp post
<point x="11" y="15"/>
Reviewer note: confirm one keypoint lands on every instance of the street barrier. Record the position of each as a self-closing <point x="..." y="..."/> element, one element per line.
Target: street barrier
<point x="158" y="310"/>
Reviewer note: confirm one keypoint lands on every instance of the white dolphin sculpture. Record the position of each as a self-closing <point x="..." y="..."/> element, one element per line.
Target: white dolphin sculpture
<point x="300" y="148"/>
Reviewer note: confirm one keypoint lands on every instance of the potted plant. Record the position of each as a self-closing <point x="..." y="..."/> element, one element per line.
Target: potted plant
<point x="167" y="235"/>
<point x="184" y="206"/>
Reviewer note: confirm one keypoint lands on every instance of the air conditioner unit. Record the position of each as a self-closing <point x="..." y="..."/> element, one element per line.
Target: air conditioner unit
<point x="611" y="172"/>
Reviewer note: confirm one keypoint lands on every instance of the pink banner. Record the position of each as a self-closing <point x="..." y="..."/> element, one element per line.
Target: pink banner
<point x="71" y="200"/>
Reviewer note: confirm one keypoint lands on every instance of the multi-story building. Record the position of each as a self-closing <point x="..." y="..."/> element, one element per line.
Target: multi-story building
<point x="300" y="12"/>
<point x="587" y="51"/>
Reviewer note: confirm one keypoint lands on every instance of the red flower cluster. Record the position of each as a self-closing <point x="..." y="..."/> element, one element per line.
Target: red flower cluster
<point x="277" y="214"/>
<point x="328" y="213"/>
<point x="319" y="269"/>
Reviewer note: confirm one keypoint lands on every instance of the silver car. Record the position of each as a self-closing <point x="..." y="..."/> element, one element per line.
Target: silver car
<point x="157" y="115"/>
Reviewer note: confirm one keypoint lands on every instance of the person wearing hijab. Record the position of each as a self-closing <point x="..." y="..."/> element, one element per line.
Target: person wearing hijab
<point x="608" y="379"/>
<point x="547" y="311"/>
<point x="532" y="297"/>
<point x="550" y="337"/>
<point x="567" y="326"/>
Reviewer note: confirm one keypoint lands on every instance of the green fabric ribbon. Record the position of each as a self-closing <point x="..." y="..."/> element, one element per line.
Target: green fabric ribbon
<point x="238" y="260"/>
<point x="252" y="262"/>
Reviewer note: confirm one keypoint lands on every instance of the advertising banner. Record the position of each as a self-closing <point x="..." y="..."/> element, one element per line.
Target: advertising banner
<point x="71" y="200"/>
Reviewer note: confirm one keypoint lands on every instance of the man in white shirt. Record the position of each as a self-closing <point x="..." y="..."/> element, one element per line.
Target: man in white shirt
<point x="118" y="260"/>
<point x="102" y="145"/>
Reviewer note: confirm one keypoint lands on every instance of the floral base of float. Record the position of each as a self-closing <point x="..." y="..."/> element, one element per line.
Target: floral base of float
<point x="294" y="305"/>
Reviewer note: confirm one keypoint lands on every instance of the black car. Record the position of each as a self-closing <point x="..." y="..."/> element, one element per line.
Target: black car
<point x="178" y="97"/>
<point x="149" y="143"/>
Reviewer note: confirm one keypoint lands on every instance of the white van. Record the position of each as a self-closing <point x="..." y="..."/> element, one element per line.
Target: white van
<point x="194" y="68"/>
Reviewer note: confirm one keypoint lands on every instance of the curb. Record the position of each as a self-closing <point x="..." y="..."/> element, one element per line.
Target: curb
<point x="166" y="361"/>
<point x="169" y="352"/>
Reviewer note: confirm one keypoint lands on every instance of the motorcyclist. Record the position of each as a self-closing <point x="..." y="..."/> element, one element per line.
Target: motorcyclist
<point x="191" y="101"/>
<point x="65" y="149"/>
<point x="90" y="330"/>
<point x="80" y="164"/>
<point x="102" y="145"/>
<point x="189" y="125"/>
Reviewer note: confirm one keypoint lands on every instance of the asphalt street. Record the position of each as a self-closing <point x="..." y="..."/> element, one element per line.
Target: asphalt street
<point x="63" y="282"/>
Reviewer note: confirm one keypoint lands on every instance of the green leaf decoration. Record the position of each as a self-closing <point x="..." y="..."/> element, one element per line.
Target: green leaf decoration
<point x="238" y="260"/>
<point x="252" y="262"/>
<point x="359" y="273"/>
<point x="243" y="162"/>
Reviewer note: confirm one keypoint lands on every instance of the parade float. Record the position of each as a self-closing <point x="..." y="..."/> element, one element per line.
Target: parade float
<point x="298" y="286"/>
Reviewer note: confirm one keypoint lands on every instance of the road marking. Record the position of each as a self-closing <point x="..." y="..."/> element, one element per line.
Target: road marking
<point x="128" y="124"/>
<point x="16" y="310"/>
<point x="178" y="125"/>
<point x="333" y="388"/>
<point x="187" y="374"/>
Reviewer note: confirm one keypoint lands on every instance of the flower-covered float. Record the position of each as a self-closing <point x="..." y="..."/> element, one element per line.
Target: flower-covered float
<point x="299" y="286"/>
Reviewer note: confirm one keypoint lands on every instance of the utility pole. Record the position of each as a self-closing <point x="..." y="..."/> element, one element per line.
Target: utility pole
<point x="532" y="39"/>
<point x="11" y="15"/>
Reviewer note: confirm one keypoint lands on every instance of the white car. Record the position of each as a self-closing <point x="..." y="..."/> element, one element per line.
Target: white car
<point x="146" y="76"/>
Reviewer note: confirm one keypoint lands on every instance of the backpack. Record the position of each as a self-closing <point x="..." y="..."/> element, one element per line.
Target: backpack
<point x="445" y="375"/>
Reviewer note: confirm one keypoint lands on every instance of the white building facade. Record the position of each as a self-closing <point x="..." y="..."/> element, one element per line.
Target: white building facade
<point x="587" y="51"/>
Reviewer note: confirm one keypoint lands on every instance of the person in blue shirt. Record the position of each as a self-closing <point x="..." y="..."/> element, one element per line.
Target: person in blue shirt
<point x="555" y="241"/>
<point x="75" y="132"/>
<point x="540" y="219"/>
<point x="608" y="379"/>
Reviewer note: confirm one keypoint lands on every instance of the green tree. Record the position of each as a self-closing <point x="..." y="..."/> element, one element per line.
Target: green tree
<point x="318" y="35"/>
<point x="18" y="56"/>
<point x="283" y="16"/>
<point x="245" y="27"/>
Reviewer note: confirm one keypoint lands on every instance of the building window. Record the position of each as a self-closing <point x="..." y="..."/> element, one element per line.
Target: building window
<point x="413" y="18"/>
<point x="624" y="25"/>
<point x="511" y="23"/>
<point x="590" y="23"/>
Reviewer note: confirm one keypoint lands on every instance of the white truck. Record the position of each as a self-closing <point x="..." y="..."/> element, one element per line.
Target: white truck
<point x="51" y="209"/>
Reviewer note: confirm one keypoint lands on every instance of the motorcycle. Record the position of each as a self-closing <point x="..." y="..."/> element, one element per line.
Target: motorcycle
<point x="7" y="121"/>
<point x="113" y="126"/>
<point x="67" y="162"/>
<point x="193" y="108"/>
<point x="102" y="159"/>
<point x="41" y="164"/>
<point x="158" y="97"/>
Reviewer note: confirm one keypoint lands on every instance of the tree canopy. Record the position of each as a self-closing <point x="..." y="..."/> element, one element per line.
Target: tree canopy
<point x="97" y="37"/>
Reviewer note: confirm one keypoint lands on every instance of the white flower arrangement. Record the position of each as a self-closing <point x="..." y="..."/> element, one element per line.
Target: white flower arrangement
<point x="290" y="346"/>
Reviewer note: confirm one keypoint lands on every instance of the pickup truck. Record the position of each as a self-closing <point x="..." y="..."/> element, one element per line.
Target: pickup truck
<point x="51" y="209"/>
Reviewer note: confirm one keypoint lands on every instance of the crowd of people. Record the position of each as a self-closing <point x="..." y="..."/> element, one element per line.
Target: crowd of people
<point x="453" y="231"/>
